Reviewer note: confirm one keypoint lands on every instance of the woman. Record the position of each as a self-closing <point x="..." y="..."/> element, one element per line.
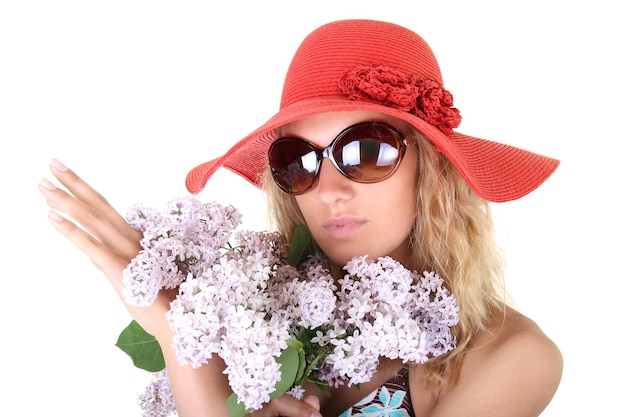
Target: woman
<point x="364" y="153"/>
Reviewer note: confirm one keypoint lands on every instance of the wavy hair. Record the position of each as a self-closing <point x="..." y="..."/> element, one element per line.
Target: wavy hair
<point x="453" y="236"/>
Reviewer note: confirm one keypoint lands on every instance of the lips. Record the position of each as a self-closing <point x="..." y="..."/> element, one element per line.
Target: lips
<point x="343" y="226"/>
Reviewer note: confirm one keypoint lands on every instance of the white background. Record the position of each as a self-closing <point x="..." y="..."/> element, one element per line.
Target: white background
<point x="131" y="94"/>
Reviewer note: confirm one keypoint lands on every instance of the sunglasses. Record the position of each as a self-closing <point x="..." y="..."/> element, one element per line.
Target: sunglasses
<point x="366" y="152"/>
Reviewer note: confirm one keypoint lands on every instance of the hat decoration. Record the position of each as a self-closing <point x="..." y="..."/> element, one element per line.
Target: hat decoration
<point x="427" y="99"/>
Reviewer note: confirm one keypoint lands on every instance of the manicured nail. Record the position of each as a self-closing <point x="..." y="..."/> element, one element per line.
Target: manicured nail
<point x="47" y="184"/>
<point x="53" y="215"/>
<point x="58" y="165"/>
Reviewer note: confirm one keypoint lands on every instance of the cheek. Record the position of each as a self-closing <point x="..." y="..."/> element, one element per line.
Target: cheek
<point x="399" y="210"/>
<point x="402" y="194"/>
<point x="402" y="186"/>
<point x="312" y="211"/>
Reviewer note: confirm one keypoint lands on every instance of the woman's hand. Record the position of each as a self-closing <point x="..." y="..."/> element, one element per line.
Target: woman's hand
<point x="104" y="236"/>
<point x="111" y="243"/>
<point x="288" y="406"/>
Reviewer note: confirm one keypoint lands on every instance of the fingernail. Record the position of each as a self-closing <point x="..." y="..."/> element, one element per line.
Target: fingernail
<point x="58" y="165"/>
<point x="47" y="184"/>
<point x="315" y="414"/>
<point x="53" y="215"/>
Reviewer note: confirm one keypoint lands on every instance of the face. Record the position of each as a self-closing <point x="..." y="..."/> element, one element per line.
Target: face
<point x="347" y="218"/>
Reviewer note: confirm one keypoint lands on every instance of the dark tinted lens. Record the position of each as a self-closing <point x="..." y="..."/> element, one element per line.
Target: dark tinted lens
<point x="294" y="164"/>
<point x="368" y="152"/>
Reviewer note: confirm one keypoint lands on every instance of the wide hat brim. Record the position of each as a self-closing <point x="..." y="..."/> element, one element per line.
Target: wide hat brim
<point x="495" y="171"/>
<point x="385" y="68"/>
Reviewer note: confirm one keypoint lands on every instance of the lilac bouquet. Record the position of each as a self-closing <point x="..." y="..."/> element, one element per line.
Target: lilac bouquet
<point x="273" y="313"/>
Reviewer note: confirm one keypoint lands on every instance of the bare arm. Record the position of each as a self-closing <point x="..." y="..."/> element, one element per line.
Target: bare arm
<point x="110" y="242"/>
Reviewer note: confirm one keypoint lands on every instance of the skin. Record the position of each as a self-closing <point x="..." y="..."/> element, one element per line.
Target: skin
<point x="380" y="229"/>
<point x="512" y="370"/>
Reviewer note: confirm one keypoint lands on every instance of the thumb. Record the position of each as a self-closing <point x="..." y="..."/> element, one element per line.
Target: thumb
<point x="313" y="401"/>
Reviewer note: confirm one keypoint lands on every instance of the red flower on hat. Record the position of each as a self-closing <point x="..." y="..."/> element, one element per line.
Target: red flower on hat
<point x="425" y="98"/>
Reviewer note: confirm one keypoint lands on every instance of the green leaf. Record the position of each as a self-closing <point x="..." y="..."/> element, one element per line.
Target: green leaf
<point x="142" y="348"/>
<point x="236" y="408"/>
<point x="295" y="343"/>
<point x="289" y="361"/>
<point x="302" y="246"/>
<point x="301" y="367"/>
<point x="321" y="385"/>
<point x="306" y="334"/>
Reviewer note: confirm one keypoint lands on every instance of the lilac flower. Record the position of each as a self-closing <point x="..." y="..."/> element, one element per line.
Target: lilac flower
<point x="386" y="310"/>
<point x="157" y="400"/>
<point x="238" y="298"/>
<point x="296" y="392"/>
<point x="317" y="305"/>
<point x="176" y="241"/>
<point x="248" y="349"/>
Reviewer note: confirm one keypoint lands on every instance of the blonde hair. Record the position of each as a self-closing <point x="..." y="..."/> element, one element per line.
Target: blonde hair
<point x="453" y="236"/>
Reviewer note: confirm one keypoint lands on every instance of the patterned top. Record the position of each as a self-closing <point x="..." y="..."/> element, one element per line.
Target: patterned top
<point x="392" y="399"/>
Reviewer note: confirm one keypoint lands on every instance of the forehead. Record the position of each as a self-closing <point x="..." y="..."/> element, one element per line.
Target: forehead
<point x="322" y="128"/>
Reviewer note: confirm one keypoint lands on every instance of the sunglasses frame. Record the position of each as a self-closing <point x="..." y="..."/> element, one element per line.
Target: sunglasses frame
<point x="328" y="151"/>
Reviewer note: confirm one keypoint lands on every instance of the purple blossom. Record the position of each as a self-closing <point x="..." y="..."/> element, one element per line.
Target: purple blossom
<point x="238" y="298"/>
<point x="157" y="399"/>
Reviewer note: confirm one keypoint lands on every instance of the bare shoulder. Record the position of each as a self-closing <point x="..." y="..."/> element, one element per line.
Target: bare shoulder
<point x="520" y="338"/>
<point x="513" y="370"/>
<point x="521" y="347"/>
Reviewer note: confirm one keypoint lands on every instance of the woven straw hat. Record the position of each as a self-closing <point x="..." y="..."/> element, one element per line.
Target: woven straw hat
<point x="385" y="68"/>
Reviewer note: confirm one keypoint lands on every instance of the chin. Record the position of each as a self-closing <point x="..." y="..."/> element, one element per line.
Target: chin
<point x="342" y="258"/>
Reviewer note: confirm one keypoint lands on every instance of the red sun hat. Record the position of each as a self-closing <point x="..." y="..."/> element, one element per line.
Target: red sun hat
<point x="382" y="67"/>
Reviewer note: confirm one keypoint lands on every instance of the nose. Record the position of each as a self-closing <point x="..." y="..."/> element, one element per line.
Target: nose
<point x="331" y="185"/>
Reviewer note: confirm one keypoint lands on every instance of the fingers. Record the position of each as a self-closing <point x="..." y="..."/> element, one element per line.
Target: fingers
<point x="86" y="194"/>
<point x="91" y="210"/>
<point x="91" y="224"/>
<point x="313" y="401"/>
<point x="287" y="406"/>
<point x="103" y="235"/>
<point x="112" y="265"/>
<point x="108" y="262"/>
